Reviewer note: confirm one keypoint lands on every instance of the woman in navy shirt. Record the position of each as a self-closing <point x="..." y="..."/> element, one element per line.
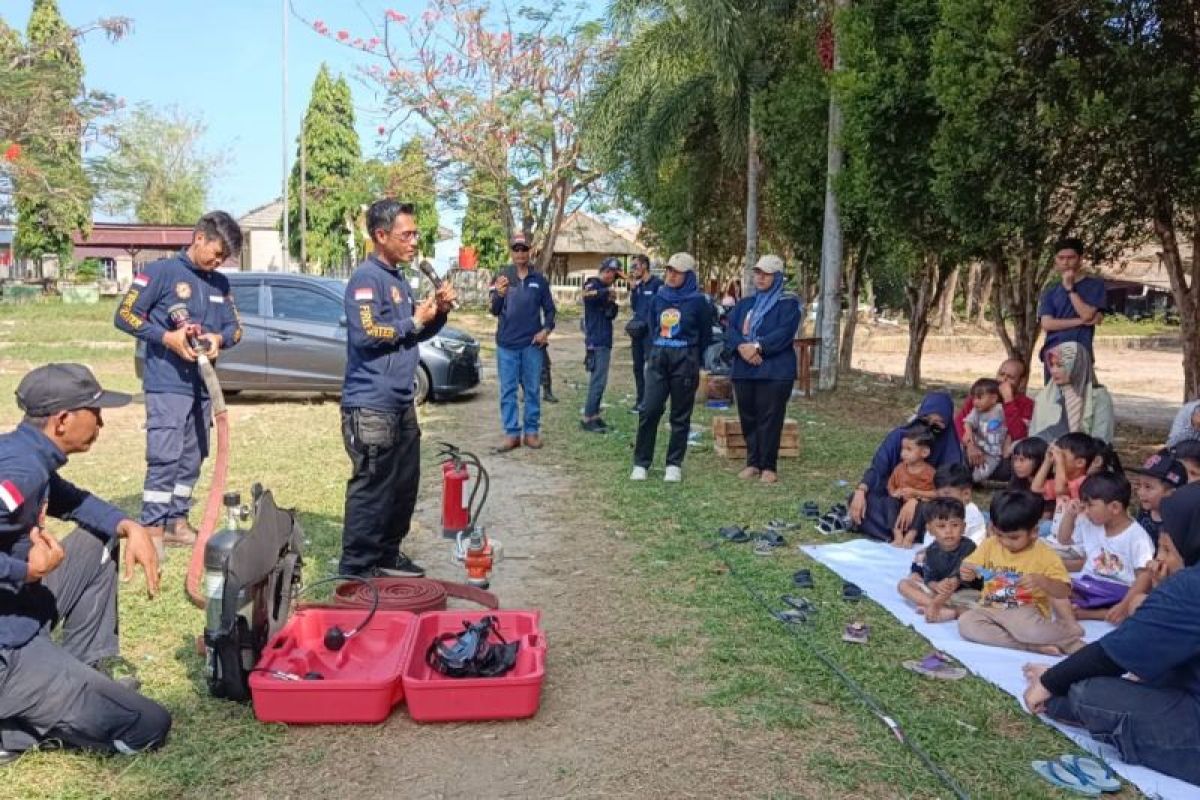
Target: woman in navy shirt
<point x="760" y="334"/>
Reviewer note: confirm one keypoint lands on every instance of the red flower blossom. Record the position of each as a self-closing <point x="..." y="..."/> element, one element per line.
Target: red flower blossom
<point x="382" y="130"/>
<point x="12" y="152"/>
<point x="395" y="16"/>
<point x="343" y="35"/>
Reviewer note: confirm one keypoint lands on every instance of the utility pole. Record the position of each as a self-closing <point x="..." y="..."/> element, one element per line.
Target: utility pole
<point x="287" y="258"/>
<point x="303" y="200"/>
<point x="829" y="313"/>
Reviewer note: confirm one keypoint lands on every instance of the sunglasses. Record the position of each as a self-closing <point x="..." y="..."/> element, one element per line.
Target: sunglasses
<point x="520" y="248"/>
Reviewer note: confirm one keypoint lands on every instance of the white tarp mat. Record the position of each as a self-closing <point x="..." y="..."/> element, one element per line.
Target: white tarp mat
<point x="876" y="568"/>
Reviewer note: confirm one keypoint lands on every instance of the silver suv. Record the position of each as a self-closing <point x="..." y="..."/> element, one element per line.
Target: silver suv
<point x="294" y="340"/>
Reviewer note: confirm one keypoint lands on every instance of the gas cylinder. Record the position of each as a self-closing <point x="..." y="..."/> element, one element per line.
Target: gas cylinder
<point x="455" y="513"/>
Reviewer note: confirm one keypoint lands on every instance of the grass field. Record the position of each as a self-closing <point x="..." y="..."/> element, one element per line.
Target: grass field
<point x="720" y="641"/>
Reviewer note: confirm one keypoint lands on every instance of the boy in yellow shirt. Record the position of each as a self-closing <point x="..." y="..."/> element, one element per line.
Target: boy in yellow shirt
<point x="1022" y="580"/>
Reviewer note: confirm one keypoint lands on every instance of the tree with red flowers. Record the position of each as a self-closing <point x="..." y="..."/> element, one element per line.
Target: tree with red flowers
<point x="496" y="93"/>
<point x="45" y="116"/>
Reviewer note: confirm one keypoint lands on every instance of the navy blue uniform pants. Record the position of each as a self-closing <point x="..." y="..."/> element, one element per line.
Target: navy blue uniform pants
<point x="385" y="459"/>
<point x="51" y="691"/>
<point x="674" y="374"/>
<point x="637" y="349"/>
<point x="176" y="446"/>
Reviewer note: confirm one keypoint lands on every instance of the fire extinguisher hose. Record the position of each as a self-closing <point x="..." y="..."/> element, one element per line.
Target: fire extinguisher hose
<point x="212" y="509"/>
<point x="417" y="595"/>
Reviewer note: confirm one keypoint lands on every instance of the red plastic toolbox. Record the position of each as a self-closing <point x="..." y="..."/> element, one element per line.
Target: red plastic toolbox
<point x="360" y="683"/>
<point x="433" y="697"/>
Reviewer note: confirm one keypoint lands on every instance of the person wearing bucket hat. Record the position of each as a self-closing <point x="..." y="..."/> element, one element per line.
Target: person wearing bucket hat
<point x="58" y="690"/>
<point x="681" y="327"/>
<point x="760" y="335"/>
<point x="641" y="294"/>
<point x="521" y="301"/>
<point x="599" y="311"/>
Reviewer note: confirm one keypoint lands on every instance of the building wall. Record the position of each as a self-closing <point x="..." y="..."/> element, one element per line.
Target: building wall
<point x="264" y="252"/>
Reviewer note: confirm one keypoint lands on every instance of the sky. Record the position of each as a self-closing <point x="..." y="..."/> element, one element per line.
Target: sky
<point x="221" y="59"/>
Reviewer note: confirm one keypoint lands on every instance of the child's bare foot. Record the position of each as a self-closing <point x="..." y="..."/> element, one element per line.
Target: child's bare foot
<point x="1034" y="671"/>
<point x="941" y="615"/>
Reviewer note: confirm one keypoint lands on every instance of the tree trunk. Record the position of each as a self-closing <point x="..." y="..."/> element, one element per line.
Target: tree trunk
<point x="988" y="279"/>
<point x="971" y="292"/>
<point x="923" y="296"/>
<point x="946" y="306"/>
<point x="752" y="166"/>
<point x="831" y="241"/>
<point x="846" y="355"/>
<point x="1185" y="286"/>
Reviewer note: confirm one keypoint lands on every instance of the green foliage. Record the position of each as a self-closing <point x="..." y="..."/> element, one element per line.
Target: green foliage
<point x="89" y="270"/>
<point x="408" y="179"/>
<point x="156" y="171"/>
<point x="482" y="228"/>
<point x="55" y="200"/>
<point x="333" y="193"/>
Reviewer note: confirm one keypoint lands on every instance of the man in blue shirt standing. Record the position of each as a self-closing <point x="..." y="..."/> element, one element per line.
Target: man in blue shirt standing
<point x="1071" y="310"/>
<point x="641" y="295"/>
<point x="599" y="310"/>
<point x="58" y="690"/>
<point x="175" y="306"/>
<point x="379" y="423"/>
<point x="522" y="301"/>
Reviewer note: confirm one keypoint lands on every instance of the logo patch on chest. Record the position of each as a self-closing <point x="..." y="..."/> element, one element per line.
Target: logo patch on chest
<point x="183" y="290"/>
<point x="668" y="323"/>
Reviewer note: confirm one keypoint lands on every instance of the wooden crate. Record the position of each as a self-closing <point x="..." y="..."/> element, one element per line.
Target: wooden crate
<point x="787" y="440"/>
<point x="725" y="425"/>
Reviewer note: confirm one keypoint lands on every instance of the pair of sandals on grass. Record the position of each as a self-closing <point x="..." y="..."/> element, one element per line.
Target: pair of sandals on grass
<point x="833" y="522"/>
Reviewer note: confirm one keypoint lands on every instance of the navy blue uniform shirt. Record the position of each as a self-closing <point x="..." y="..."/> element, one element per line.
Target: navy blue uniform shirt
<point x="526" y="308"/>
<point x="381" y="348"/>
<point x="641" y="296"/>
<point x="144" y="312"/>
<point x="686" y="324"/>
<point x="597" y="325"/>
<point x="775" y="336"/>
<point x="29" y="481"/>
<point x="1057" y="303"/>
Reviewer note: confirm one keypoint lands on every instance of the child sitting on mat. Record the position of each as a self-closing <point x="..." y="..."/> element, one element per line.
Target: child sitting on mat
<point x="933" y="581"/>
<point x="985" y="427"/>
<point x="1115" y="548"/>
<point x="1022" y="581"/>
<point x="1072" y="457"/>
<point x="954" y="480"/>
<point x="1028" y="455"/>
<point x="911" y="481"/>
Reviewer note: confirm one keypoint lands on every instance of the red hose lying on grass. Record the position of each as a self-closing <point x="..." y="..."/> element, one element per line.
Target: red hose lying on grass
<point x="216" y="491"/>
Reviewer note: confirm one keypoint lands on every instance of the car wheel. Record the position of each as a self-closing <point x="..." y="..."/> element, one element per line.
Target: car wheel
<point x="423" y="392"/>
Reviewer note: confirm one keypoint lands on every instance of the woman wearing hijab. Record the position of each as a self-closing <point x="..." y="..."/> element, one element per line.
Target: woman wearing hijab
<point x="1186" y="427"/>
<point x="680" y="328"/>
<point x="1155" y="720"/>
<point x="760" y="335"/>
<point x="1073" y="402"/>
<point x="872" y="511"/>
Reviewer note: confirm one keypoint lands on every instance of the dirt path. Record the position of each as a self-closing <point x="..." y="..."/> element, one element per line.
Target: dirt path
<point x="615" y="721"/>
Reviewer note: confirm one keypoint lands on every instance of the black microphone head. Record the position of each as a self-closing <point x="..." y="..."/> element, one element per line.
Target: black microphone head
<point x="428" y="271"/>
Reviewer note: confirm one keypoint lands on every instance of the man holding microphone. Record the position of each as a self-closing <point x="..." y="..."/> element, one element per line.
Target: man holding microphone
<point x="379" y="422"/>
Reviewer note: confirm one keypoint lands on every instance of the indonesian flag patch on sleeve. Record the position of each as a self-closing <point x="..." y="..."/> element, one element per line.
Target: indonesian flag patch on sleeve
<point x="10" y="496"/>
<point x="141" y="279"/>
<point x="364" y="295"/>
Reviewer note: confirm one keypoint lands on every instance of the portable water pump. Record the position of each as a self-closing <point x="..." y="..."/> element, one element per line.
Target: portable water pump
<point x="460" y="513"/>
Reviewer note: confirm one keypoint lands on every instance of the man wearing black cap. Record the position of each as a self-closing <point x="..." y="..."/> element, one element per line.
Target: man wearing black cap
<point x="599" y="311"/>
<point x="524" y="306"/>
<point x="1071" y="309"/>
<point x="176" y="305"/>
<point x="58" y="691"/>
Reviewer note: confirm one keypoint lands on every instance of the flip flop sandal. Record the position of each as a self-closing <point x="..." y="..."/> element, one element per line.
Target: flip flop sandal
<point x="810" y="510"/>
<point x="840" y="509"/>
<point x="792" y="616"/>
<point x="851" y="593"/>
<point x="802" y="579"/>
<point x="1055" y="773"/>
<point x="763" y="548"/>
<point x="1093" y="771"/>
<point x="733" y="533"/>
<point x="782" y="525"/>
<point x="936" y="665"/>
<point x="798" y="603"/>
<point x="832" y="525"/>
<point x="857" y="633"/>
<point x="773" y="538"/>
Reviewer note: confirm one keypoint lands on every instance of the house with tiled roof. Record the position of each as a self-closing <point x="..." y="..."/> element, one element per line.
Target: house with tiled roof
<point x="262" y="239"/>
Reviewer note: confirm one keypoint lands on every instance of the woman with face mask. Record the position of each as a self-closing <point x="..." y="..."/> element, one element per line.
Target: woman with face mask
<point x="872" y="511"/>
<point x="1155" y="720"/>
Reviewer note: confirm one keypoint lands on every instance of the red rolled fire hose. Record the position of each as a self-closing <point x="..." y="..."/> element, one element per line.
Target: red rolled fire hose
<point x="216" y="491"/>
<point x="417" y="595"/>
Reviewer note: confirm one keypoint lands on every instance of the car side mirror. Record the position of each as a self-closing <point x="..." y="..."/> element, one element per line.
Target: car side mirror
<point x="343" y="322"/>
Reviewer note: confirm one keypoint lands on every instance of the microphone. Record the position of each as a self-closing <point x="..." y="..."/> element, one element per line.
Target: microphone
<point x="427" y="270"/>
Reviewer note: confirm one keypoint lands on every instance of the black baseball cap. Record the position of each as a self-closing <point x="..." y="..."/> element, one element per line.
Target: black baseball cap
<point x="52" y="388"/>
<point x="1162" y="465"/>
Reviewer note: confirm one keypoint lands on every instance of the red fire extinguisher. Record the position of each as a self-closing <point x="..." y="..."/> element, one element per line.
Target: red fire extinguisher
<point x="458" y="505"/>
